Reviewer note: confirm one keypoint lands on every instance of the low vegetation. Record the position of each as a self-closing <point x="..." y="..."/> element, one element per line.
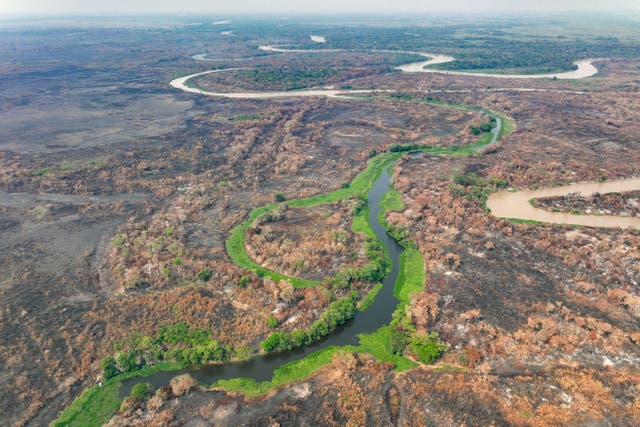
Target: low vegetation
<point x="626" y="203"/>
<point x="502" y="49"/>
<point x="177" y="343"/>
<point x="184" y="345"/>
<point x="358" y="188"/>
<point x="99" y="402"/>
<point x="475" y="188"/>
<point x="338" y="313"/>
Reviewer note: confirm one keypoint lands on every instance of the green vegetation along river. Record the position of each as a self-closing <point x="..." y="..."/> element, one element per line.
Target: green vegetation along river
<point x="366" y="332"/>
<point x="375" y="182"/>
<point x="584" y="68"/>
<point x="377" y="314"/>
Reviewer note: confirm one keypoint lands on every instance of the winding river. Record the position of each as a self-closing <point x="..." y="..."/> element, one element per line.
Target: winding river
<point x="509" y="204"/>
<point x="261" y="368"/>
<point x="378" y="314"/>
<point x="585" y="68"/>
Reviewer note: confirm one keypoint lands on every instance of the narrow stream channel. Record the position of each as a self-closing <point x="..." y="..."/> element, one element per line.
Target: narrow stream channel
<point x="261" y="368"/>
<point x="495" y="133"/>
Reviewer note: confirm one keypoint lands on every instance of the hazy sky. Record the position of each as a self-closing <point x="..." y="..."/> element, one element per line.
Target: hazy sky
<point x="11" y="7"/>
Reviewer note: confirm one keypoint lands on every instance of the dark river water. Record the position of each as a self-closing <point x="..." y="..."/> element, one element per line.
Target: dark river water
<point x="378" y="314"/>
<point x="261" y="368"/>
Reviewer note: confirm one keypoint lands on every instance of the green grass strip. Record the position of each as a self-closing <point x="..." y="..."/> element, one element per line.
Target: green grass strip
<point x="358" y="187"/>
<point x="369" y="298"/>
<point x="285" y="374"/>
<point x="96" y="405"/>
<point x="525" y="221"/>
<point x="391" y="201"/>
<point x="411" y="277"/>
<point x="377" y="345"/>
<point x="360" y="223"/>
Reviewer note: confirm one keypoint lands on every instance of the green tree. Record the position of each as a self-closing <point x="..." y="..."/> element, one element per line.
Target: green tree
<point x="140" y="392"/>
<point x="427" y="348"/>
<point x="126" y="361"/>
<point x="398" y="341"/>
<point x="272" y="342"/>
<point x="272" y="322"/>
<point x="277" y="341"/>
<point x="318" y="330"/>
<point x="244" y="280"/>
<point x="108" y="366"/>
<point x="205" y="274"/>
<point x="298" y="338"/>
<point x="243" y="353"/>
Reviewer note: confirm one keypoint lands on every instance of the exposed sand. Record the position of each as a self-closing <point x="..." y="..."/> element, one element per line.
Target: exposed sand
<point x="506" y="204"/>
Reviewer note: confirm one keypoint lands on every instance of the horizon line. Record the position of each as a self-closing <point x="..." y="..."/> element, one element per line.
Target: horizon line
<point x="354" y="13"/>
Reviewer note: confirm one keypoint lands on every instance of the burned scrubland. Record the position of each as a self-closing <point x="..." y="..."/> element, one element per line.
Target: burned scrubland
<point x="118" y="193"/>
<point x="114" y="226"/>
<point x="541" y="320"/>
<point x="625" y="203"/>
